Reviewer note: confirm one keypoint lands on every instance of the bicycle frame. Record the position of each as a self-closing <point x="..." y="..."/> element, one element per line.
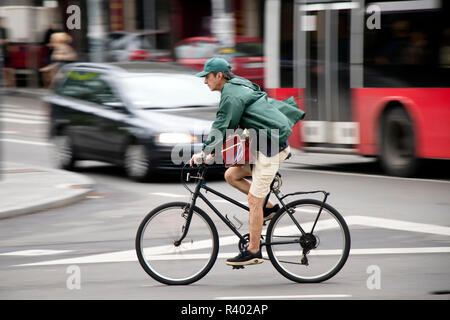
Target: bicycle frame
<point x="201" y="184"/>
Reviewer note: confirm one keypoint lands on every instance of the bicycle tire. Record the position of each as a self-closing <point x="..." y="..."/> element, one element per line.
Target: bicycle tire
<point x="199" y="215"/>
<point x="291" y="275"/>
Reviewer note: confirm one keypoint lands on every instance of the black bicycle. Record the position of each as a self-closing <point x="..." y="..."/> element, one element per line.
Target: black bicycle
<point x="307" y="240"/>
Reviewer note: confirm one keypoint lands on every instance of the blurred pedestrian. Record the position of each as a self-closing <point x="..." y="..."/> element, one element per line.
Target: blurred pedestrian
<point x="62" y="53"/>
<point x="243" y="104"/>
<point x="51" y="29"/>
<point x="7" y="72"/>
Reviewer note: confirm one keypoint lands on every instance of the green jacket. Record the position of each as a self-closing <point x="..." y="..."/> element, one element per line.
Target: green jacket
<point x="244" y="105"/>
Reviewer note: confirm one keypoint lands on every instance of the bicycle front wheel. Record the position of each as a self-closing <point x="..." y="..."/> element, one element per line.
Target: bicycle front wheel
<point x="167" y="259"/>
<point x="319" y="252"/>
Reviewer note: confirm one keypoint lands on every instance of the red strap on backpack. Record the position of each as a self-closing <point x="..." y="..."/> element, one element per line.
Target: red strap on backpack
<point x="236" y="151"/>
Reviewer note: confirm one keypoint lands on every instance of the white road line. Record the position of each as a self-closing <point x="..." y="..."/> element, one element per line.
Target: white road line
<point x="22" y="116"/>
<point x="36" y="143"/>
<point x="160" y="252"/>
<point x="304" y="296"/>
<point x="96" y="197"/>
<point x="21" y="110"/>
<point x="13" y="120"/>
<point x="35" y="252"/>
<point x="130" y="255"/>
<point x="170" y="195"/>
<point x="398" y="225"/>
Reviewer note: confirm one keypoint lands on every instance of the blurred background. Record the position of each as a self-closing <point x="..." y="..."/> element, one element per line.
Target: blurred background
<point x="90" y="83"/>
<point x="373" y="76"/>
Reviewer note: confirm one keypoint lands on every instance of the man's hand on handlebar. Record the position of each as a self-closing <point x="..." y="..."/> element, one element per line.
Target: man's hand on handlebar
<point x="199" y="158"/>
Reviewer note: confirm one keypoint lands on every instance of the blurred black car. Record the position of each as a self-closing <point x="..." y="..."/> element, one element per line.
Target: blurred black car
<point x="146" y="117"/>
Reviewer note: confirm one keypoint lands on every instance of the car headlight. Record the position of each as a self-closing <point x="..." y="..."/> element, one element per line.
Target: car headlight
<point x="172" y="138"/>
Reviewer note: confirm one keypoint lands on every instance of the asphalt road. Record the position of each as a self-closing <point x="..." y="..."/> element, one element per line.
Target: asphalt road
<point x="400" y="231"/>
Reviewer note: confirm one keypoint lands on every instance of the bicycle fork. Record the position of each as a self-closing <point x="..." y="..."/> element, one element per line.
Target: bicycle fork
<point x="187" y="214"/>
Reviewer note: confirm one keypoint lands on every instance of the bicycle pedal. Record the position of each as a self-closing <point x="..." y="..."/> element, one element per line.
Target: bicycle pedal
<point x="238" y="267"/>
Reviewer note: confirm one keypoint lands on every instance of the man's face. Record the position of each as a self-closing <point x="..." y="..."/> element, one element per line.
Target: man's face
<point x="214" y="82"/>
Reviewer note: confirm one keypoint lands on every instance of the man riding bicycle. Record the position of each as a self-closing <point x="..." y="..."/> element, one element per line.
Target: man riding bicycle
<point x="244" y="105"/>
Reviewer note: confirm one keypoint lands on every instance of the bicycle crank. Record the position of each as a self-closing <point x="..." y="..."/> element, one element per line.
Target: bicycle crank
<point x="244" y="242"/>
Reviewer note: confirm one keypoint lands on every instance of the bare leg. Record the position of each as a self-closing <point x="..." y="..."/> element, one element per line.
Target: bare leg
<point x="256" y="222"/>
<point x="235" y="176"/>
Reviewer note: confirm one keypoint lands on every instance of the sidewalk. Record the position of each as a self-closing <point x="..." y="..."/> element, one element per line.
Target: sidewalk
<point x="27" y="189"/>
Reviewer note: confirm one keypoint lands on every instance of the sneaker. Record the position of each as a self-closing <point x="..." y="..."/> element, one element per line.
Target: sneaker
<point x="269" y="213"/>
<point x="246" y="258"/>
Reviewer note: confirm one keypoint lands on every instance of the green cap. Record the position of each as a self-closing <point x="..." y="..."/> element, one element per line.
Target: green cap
<point x="214" y="65"/>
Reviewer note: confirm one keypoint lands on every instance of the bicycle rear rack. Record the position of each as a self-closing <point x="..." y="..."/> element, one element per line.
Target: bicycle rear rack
<point x="326" y="194"/>
<point x="289" y="211"/>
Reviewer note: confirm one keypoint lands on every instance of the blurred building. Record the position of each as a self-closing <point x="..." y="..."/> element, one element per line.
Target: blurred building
<point x="29" y="23"/>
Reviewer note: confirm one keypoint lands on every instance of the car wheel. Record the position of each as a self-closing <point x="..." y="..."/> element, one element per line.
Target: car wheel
<point x="397" y="145"/>
<point x="136" y="162"/>
<point x="63" y="152"/>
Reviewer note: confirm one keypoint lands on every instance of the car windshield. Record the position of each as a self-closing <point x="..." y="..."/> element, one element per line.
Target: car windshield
<point x="197" y="50"/>
<point x="249" y="49"/>
<point x="156" y="91"/>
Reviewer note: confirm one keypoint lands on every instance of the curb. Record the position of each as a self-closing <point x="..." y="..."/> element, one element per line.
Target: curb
<point x="84" y="185"/>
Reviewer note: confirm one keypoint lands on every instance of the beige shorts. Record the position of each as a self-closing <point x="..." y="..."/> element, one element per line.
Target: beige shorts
<point x="264" y="170"/>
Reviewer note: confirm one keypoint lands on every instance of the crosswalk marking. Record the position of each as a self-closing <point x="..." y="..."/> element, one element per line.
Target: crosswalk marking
<point x="22" y="116"/>
<point x="36" y="143"/>
<point x="15" y="114"/>
<point x="22" y="121"/>
<point x="21" y="110"/>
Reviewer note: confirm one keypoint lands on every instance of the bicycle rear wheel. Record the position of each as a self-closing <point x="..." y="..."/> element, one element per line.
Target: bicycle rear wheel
<point x="327" y="247"/>
<point x="163" y="258"/>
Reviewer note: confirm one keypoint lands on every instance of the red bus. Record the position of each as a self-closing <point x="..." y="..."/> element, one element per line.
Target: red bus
<point x="372" y="76"/>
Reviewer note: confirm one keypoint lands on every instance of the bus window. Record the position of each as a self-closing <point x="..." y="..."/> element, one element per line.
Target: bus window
<point x="407" y="51"/>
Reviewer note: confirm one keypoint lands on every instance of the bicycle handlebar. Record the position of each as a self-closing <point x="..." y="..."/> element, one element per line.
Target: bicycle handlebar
<point x="202" y="168"/>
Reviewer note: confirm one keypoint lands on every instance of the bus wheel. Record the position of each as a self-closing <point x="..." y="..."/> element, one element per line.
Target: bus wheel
<point x="397" y="145"/>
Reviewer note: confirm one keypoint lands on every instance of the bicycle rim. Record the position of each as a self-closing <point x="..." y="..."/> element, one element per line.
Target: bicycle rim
<point x="167" y="262"/>
<point x="330" y="242"/>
